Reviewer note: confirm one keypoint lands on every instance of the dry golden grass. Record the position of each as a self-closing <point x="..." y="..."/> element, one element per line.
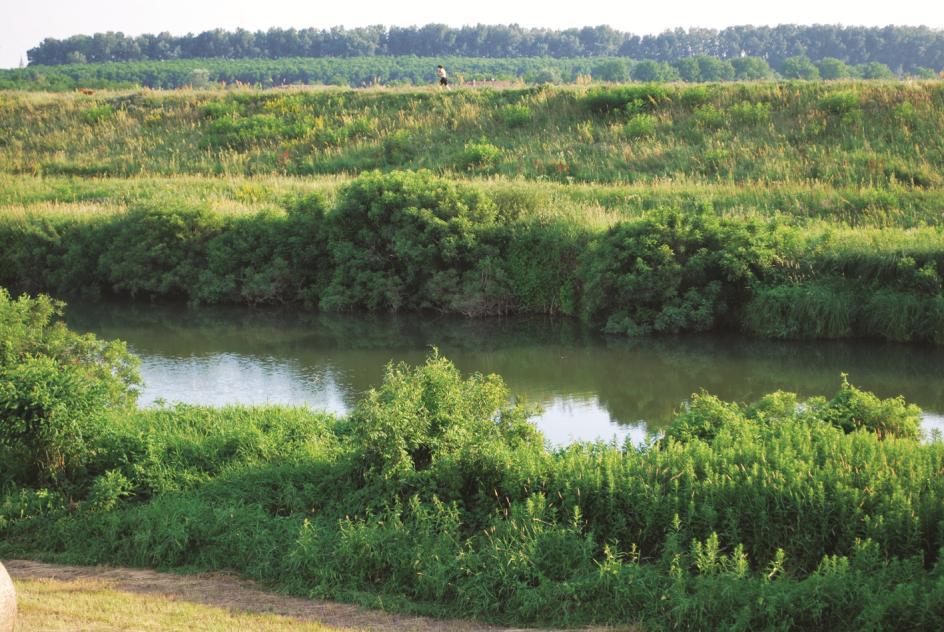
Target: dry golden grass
<point x="88" y="604"/>
<point x="58" y="597"/>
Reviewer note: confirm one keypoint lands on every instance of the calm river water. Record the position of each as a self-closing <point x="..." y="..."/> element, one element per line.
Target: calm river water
<point x="590" y="386"/>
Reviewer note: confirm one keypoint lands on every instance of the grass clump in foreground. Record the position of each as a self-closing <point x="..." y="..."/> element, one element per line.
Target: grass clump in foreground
<point x="437" y="495"/>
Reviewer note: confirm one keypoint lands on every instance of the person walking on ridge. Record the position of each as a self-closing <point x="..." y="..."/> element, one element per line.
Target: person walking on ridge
<point x="443" y="78"/>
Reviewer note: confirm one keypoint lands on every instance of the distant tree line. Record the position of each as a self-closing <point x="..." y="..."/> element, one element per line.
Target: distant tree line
<point x="900" y="48"/>
<point x="377" y="70"/>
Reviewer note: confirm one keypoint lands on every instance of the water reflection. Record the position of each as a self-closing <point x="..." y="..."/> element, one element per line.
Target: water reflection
<point x="591" y="386"/>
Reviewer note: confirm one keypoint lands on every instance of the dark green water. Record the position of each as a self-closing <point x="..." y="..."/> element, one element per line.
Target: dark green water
<point x="590" y="386"/>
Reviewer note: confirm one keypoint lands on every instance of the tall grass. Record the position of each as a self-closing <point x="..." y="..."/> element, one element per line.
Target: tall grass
<point x="854" y="135"/>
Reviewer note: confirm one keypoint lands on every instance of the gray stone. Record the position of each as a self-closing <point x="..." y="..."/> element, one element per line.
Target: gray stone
<point x="7" y="601"/>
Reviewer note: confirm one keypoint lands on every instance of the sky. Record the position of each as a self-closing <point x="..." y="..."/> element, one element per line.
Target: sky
<point x="24" y="23"/>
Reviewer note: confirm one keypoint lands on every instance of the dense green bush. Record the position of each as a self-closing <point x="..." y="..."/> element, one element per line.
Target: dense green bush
<point x="670" y="273"/>
<point x="48" y="411"/>
<point x="640" y="126"/>
<point x="97" y="114"/>
<point x="158" y="251"/>
<point x="30" y="328"/>
<point x="842" y="105"/>
<point x="481" y="155"/>
<point x="429" y="423"/>
<point x="410" y="241"/>
<point x="799" y="67"/>
<point x="515" y="115"/>
<point x="55" y="388"/>
<point x="745" y="113"/>
<point x="632" y="99"/>
<point x="237" y="132"/>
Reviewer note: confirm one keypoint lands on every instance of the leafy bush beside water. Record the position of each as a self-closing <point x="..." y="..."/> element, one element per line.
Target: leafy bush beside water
<point x="55" y="389"/>
<point x="436" y="495"/>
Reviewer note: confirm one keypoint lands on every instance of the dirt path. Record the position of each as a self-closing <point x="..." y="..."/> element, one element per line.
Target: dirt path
<point x="226" y="590"/>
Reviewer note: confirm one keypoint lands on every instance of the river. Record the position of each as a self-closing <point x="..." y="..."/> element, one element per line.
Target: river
<point x="590" y="386"/>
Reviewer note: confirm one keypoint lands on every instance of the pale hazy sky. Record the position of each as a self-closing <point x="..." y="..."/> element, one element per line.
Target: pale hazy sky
<point x="24" y="23"/>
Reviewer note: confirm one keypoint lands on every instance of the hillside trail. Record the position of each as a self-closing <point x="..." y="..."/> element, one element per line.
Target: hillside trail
<point x="227" y="590"/>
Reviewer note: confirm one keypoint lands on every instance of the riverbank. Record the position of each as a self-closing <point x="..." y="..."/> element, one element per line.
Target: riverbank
<point x="406" y="241"/>
<point x="437" y="496"/>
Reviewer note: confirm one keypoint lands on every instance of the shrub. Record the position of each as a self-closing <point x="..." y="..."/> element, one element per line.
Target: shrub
<point x="708" y="117"/>
<point x="242" y="132"/>
<point x="480" y="155"/>
<point x="707" y="69"/>
<point x="159" y="251"/>
<point x="874" y="70"/>
<point x="653" y="71"/>
<point x="398" y="148"/>
<point x="55" y="387"/>
<point x="30" y="328"/>
<point x="614" y="70"/>
<point x="423" y="417"/>
<point x="746" y="113"/>
<point x="844" y="105"/>
<point x="49" y="415"/>
<point x="669" y="273"/>
<point x="544" y="76"/>
<point x="640" y="126"/>
<point x="632" y="99"/>
<point x="751" y="69"/>
<point x="515" y="115"/>
<point x="403" y="240"/>
<point x="831" y="68"/>
<point x="97" y="114"/>
<point x="108" y="489"/>
<point x="695" y="96"/>
<point x="799" y="67"/>
<point x="247" y="261"/>
<point x="852" y="409"/>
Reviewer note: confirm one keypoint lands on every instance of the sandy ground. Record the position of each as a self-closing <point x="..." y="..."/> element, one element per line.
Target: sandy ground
<point x="224" y="590"/>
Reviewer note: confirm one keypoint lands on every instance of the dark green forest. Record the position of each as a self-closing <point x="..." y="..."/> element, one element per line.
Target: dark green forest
<point x="904" y="49"/>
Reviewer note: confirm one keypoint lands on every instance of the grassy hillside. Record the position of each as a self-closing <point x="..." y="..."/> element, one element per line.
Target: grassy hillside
<point x="840" y="134"/>
<point x="780" y="209"/>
